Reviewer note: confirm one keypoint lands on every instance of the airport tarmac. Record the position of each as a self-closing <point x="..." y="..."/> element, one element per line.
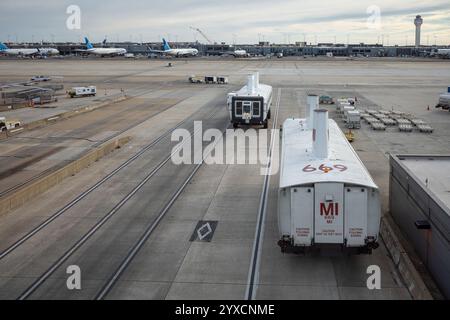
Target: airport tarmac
<point x="160" y="203"/>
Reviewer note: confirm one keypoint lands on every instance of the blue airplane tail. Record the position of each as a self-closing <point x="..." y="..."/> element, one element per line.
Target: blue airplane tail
<point x="166" y="46"/>
<point x="88" y="43"/>
<point x="3" y="46"/>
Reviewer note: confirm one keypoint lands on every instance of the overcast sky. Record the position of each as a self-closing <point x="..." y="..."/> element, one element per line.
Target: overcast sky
<point x="228" y="20"/>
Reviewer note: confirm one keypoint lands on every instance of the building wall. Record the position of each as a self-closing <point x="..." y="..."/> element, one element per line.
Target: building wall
<point x="410" y="201"/>
<point x="264" y="48"/>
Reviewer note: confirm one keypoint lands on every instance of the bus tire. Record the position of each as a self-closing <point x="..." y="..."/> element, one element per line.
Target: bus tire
<point x="235" y="125"/>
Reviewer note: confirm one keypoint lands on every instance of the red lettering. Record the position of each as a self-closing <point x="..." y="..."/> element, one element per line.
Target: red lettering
<point x="332" y="209"/>
<point x="309" y="168"/>
<point x="326" y="211"/>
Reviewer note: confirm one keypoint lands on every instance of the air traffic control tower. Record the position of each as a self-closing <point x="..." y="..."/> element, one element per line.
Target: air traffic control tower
<point x="418" y="23"/>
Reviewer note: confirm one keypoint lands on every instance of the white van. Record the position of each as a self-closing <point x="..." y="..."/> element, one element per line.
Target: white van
<point x="82" y="92"/>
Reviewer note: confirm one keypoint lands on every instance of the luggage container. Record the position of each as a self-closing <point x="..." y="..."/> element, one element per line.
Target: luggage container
<point x="210" y="79"/>
<point x="345" y="110"/>
<point x="353" y="120"/>
<point x="222" y="80"/>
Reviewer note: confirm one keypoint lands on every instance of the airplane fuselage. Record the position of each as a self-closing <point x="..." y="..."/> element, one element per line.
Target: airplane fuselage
<point x="20" y="52"/>
<point x="48" y="51"/>
<point x="240" y="53"/>
<point x="107" y="51"/>
<point x="181" y="52"/>
<point x="440" y="53"/>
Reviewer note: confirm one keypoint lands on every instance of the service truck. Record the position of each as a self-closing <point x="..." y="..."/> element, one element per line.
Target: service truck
<point x="326" y="100"/>
<point x="41" y="79"/>
<point x="444" y="101"/>
<point x="195" y="79"/>
<point x="76" y="92"/>
<point x="8" y="125"/>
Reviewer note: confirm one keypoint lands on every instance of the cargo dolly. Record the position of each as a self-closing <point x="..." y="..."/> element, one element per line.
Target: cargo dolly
<point x="378" y="126"/>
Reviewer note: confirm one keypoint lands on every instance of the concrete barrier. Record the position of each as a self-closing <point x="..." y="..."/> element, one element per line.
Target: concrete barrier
<point x="403" y="263"/>
<point x="31" y="191"/>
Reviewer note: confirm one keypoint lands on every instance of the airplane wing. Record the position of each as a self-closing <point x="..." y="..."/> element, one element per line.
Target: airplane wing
<point x="155" y="51"/>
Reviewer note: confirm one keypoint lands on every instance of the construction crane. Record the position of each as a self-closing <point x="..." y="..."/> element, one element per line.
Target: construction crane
<point x="202" y="34"/>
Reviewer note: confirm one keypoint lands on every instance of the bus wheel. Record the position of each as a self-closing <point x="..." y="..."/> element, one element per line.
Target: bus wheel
<point x="235" y="125"/>
<point x="266" y="125"/>
<point x="269" y="114"/>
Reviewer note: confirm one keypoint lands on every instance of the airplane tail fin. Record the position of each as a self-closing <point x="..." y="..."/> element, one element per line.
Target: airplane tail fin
<point x="166" y="45"/>
<point x="88" y="43"/>
<point x="3" y="46"/>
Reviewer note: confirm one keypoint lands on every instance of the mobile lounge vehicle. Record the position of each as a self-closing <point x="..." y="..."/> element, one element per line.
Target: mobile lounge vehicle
<point x="250" y="105"/>
<point x="327" y="198"/>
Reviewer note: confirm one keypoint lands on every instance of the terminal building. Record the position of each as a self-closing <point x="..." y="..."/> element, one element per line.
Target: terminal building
<point x="260" y="49"/>
<point x="420" y="205"/>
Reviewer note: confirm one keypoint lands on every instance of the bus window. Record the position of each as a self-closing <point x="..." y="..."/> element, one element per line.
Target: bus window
<point x="238" y="108"/>
<point x="256" y="109"/>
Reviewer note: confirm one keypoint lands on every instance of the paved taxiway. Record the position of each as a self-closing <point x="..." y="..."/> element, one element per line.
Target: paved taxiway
<point x="168" y="265"/>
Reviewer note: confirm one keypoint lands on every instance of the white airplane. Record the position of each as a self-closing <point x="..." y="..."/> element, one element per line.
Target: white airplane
<point x="442" y="53"/>
<point x="236" y="53"/>
<point x="17" y="52"/>
<point x="176" y="52"/>
<point x="103" y="51"/>
<point x="240" y="53"/>
<point x="48" y="51"/>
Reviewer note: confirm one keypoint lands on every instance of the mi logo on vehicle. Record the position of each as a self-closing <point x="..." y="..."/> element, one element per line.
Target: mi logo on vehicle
<point x="329" y="211"/>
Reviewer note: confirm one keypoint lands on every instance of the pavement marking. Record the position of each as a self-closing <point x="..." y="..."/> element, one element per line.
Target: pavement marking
<point x="41" y="279"/>
<point x="16" y="130"/>
<point x="84" y="194"/>
<point x="253" y="274"/>
<point x="204" y="231"/>
<point x="148" y="232"/>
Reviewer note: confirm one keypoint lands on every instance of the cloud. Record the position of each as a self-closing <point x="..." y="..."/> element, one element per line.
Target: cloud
<point x="220" y="19"/>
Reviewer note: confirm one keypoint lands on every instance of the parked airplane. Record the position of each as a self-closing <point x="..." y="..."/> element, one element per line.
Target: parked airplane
<point x="48" y="51"/>
<point x="17" y="52"/>
<point x="236" y="53"/>
<point x="441" y="53"/>
<point x="103" y="51"/>
<point x="240" y="53"/>
<point x="176" y="52"/>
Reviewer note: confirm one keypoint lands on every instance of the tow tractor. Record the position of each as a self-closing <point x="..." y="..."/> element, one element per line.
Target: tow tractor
<point x="350" y="136"/>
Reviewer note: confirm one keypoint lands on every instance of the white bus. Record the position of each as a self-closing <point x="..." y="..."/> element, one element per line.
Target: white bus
<point x="250" y="105"/>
